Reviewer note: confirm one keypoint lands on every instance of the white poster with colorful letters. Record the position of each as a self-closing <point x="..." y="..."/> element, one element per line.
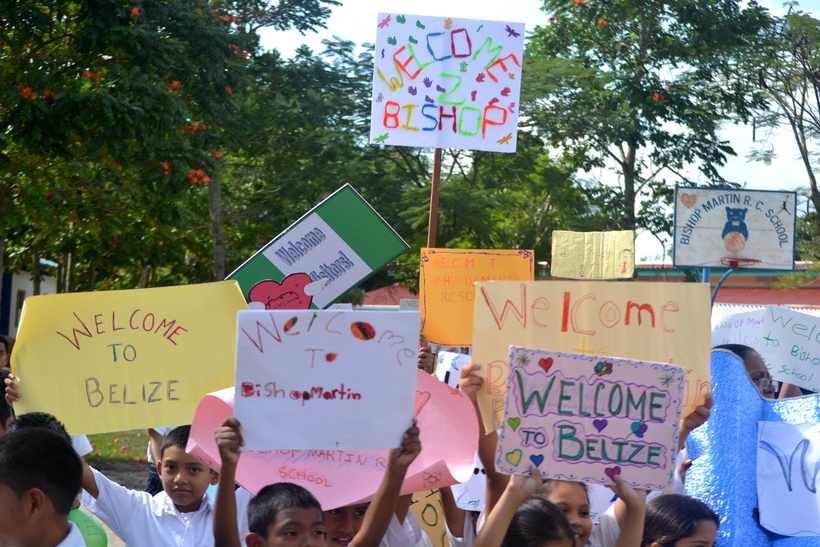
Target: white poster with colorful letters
<point x="446" y="82"/>
<point x="588" y="418"/>
<point x="317" y="379"/>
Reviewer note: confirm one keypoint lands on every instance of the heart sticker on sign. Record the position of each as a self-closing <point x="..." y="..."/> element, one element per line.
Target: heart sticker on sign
<point x="688" y="200"/>
<point x="288" y="295"/>
<point x="514" y="456"/>
<point x="545" y="364"/>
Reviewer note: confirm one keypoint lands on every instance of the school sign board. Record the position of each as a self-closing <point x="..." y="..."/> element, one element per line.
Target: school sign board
<point x="714" y="224"/>
<point x="588" y="418"/>
<point x="324" y="254"/>
<point x="446" y="82"/>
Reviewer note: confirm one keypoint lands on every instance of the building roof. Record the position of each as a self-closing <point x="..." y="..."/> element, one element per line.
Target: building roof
<point x="763" y="297"/>
<point x="388" y="296"/>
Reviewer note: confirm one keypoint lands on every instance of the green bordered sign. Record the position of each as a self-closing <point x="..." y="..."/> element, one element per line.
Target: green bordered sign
<point x="331" y="249"/>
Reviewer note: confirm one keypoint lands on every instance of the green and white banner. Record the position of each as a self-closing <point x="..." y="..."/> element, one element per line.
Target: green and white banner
<point x="331" y="249"/>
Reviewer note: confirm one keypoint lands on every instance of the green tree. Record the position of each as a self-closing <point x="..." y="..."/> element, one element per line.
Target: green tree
<point x="304" y="125"/>
<point x="786" y="67"/>
<point x="108" y="100"/>
<point x="115" y="119"/>
<point x="501" y="201"/>
<point x="640" y="87"/>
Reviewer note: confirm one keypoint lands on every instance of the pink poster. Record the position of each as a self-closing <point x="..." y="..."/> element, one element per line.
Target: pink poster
<point x="449" y="437"/>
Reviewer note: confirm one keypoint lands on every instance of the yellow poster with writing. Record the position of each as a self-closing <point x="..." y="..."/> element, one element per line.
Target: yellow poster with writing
<point x="593" y="255"/>
<point x="426" y="506"/>
<point x="662" y="322"/>
<point x="447" y="290"/>
<point x="120" y="360"/>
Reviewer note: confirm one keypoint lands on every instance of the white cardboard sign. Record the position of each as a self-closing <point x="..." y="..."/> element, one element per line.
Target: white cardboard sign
<point x="310" y="379"/>
<point x="788" y="342"/>
<point x="787" y="458"/>
<point x="446" y="82"/>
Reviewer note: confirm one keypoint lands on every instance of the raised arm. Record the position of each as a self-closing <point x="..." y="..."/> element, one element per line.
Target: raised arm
<point x="519" y="488"/>
<point x="470" y="383"/>
<point x="694" y="420"/>
<point x="630" y="510"/>
<point x="453" y="514"/>
<point x="380" y="513"/>
<point x="229" y="441"/>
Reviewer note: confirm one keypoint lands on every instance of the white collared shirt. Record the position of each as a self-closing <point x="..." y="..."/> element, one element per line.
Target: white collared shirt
<point x="408" y="534"/>
<point x="74" y="537"/>
<point x="140" y="519"/>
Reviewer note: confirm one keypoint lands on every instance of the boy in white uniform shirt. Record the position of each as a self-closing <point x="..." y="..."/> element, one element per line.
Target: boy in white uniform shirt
<point x="179" y="516"/>
<point x="40" y="475"/>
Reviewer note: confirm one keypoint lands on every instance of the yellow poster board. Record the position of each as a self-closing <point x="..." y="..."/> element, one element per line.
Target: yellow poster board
<point x="662" y="322"/>
<point x="447" y="291"/>
<point x="120" y="360"/>
<point x="593" y="255"/>
<point x="426" y="506"/>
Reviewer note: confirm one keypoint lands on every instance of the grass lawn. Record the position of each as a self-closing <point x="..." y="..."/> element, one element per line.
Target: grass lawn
<point x="123" y="446"/>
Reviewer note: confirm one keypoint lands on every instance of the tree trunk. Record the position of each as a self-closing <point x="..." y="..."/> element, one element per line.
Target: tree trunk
<point x="629" y="188"/>
<point x="2" y="245"/>
<point x="37" y="271"/>
<point x="144" y="277"/>
<point x="217" y="225"/>
<point x="61" y="275"/>
<point x="71" y="269"/>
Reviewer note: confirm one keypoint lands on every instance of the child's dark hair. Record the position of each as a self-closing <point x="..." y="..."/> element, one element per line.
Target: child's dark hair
<point x="40" y="419"/>
<point x="36" y="457"/>
<point x="6" y="410"/>
<point x="177" y="437"/>
<point x="670" y="517"/>
<point x="537" y="521"/>
<point x="738" y="349"/>
<point x="549" y="485"/>
<point x="263" y="507"/>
